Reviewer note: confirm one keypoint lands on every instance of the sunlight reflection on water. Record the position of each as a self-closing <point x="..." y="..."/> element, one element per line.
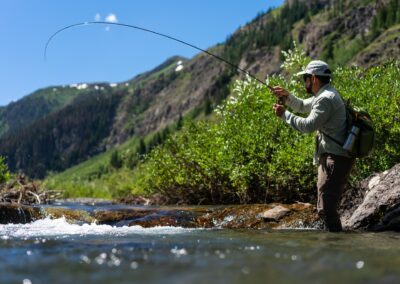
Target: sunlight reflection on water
<point x="54" y="251"/>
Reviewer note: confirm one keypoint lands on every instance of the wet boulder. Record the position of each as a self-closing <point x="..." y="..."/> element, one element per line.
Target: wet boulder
<point x="17" y="213"/>
<point x="72" y="216"/>
<point x="121" y="216"/>
<point x="275" y="213"/>
<point x="375" y="204"/>
<point x="175" y="218"/>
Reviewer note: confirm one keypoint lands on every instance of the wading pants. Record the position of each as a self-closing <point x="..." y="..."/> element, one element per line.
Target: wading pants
<point x="333" y="172"/>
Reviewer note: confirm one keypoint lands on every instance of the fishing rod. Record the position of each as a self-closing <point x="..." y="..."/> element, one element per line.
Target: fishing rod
<point x="159" y="34"/>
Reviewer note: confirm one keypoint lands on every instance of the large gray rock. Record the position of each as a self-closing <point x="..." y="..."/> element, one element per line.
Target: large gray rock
<point x="375" y="205"/>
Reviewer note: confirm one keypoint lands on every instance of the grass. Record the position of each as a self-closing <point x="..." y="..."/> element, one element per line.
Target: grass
<point x="94" y="177"/>
<point x="345" y="49"/>
<point x="389" y="34"/>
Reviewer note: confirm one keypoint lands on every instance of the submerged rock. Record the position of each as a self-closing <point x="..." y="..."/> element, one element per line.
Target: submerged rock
<point x="376" y="203"/>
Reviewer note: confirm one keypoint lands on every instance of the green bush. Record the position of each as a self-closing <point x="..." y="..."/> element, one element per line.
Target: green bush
<point x="249" y="155"/>
<point x="378" y="91"/>
<point x="4" y="173"/>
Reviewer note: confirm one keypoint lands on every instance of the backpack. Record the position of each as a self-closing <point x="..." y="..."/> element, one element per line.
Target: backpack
<point x="361" y="133"/>
<point x="365" y="140"/>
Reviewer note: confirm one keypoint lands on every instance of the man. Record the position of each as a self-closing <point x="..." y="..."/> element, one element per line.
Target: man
<point x="327" y="116"/>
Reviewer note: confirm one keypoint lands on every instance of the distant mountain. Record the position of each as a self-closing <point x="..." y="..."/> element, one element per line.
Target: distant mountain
<point x="20" y="114"/>
<point x="58" y="127"/>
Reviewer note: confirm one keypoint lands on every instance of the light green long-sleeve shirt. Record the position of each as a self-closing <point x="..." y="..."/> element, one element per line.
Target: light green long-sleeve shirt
<point x="327" y="112"/>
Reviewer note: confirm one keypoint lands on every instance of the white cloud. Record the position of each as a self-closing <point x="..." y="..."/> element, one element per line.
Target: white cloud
<point x="112" y="18"/>
<point x="97" y="18"/>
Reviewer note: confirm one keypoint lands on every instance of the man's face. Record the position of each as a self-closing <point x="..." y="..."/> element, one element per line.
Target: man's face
<point x="308" y="83"/>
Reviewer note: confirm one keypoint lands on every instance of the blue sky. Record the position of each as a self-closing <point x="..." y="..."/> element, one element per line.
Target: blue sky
<point x="100" y="54"/>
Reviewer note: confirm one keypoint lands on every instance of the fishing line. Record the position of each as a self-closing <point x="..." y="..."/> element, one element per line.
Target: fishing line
<point x="156" y="33"/>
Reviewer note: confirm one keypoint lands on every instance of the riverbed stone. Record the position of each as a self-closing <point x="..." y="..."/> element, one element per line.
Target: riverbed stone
<point x="173" y="218"/>
<point x="275" y="213"/>
<point x="112" y="217"/>
<point x="296" y="216"/>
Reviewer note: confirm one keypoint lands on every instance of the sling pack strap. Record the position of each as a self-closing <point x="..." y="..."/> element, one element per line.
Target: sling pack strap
<point x="333" y="139"/>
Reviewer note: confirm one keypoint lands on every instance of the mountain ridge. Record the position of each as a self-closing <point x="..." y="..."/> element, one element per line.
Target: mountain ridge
<point x="336" y="31"/>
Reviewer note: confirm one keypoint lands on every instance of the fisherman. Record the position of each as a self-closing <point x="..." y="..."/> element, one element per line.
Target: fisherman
<point x="326" y="115"/>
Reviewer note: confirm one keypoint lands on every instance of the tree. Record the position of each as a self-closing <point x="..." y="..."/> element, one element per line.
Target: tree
<point x="115" y="160"/>
<point x="4" y="173"/>
<point x="179" y="123"/>
<point x="142" y="149"/>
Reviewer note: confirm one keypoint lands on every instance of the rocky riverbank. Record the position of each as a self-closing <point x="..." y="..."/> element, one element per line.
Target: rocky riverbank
<point x="373" y="206"/>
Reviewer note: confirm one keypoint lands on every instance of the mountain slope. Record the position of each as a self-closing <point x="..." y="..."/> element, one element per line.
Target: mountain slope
<point x="25" y="111"/>
<point x="63" y="138"/>
<point x="344" y="32"/>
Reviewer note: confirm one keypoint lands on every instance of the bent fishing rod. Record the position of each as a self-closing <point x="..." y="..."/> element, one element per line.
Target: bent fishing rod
<point x="156" y="33"/>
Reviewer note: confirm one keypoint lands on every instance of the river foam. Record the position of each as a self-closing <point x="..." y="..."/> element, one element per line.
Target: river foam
<point x="61" y="228"/>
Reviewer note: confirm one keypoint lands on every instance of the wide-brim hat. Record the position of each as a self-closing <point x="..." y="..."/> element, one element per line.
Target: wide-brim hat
<point x="318" y="68"/>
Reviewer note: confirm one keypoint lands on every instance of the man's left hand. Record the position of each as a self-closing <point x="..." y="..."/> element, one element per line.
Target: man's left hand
<point x="279" y="109"/>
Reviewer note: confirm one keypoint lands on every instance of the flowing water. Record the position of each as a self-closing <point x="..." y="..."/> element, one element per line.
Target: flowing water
<point x="55" y="251"/>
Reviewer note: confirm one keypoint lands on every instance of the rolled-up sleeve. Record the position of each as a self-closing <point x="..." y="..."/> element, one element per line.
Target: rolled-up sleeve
<point x="319" y="114"/>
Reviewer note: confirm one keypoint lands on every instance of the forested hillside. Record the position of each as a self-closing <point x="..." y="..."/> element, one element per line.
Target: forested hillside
<point x="20" y="114"/>
<point x="50" y="133"/>
<point x="63" y="138"/>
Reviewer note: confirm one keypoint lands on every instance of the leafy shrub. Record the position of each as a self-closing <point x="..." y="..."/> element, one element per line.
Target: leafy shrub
<point x="378" y="91"/>
<point x="249" y="155"/>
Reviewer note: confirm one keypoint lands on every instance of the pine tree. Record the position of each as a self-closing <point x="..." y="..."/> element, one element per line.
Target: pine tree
<point x="142" y="149"/>
<point x="179" y="124"/>
<point x="115" y="160"/>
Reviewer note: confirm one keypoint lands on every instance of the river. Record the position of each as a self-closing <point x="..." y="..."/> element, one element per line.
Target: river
<point x="55" y="251"/>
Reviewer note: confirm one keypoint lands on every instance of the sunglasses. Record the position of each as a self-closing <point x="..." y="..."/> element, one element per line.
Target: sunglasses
<point x="305" y="77"/>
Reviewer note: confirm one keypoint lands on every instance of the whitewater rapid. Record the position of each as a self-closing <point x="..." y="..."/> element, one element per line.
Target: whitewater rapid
<point x="61" y="228"/>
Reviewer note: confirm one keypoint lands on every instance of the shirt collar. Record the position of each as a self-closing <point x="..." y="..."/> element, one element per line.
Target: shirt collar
<point x="323" y="88"/>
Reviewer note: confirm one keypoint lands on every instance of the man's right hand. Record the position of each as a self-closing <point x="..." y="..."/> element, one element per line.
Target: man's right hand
<point x="280" y="92"/>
